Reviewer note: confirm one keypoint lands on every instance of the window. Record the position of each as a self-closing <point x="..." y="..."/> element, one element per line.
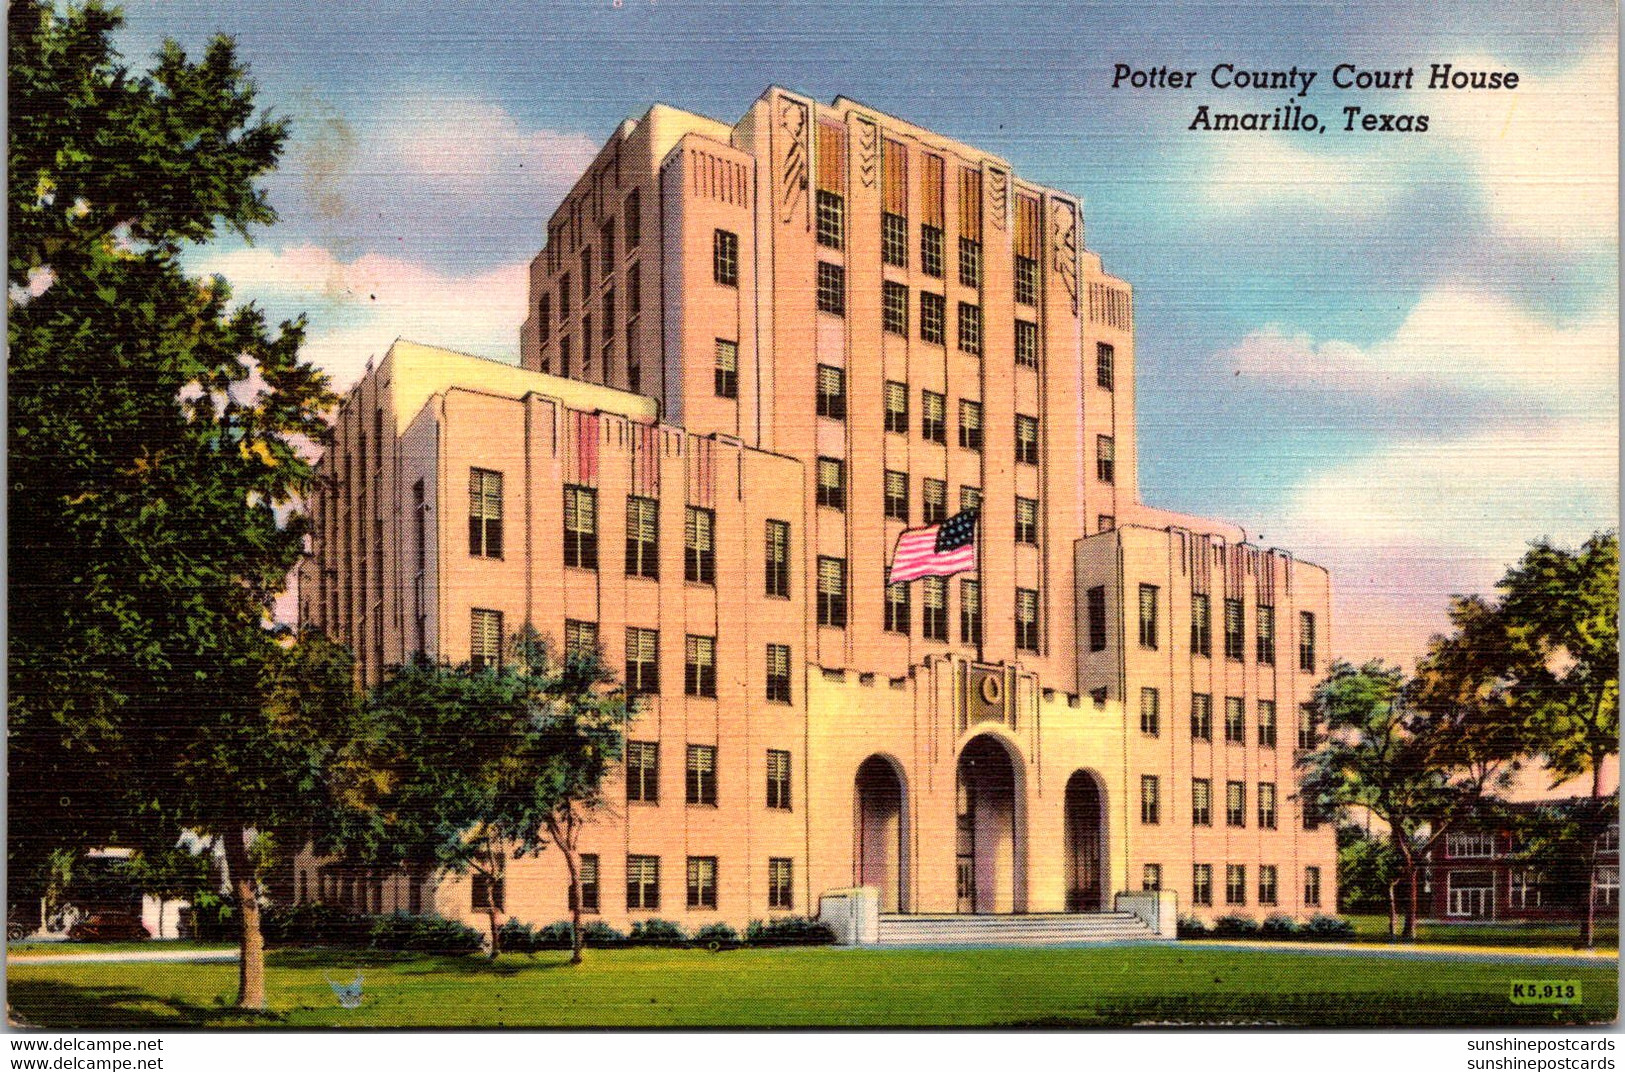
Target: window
<point x="933" y="314"/>
<point x="1235" y="720"/>
<point x="1266" y="723"/>
<point x="831" y="219"/>
<point x="608" y="303"/>
<point x="1027" y="619"/>
<point x="484" y="513"/>
<point x="485" y="638"/>
<point x="1150" y="806"/>
<point x="1608" y="887"/>
<point x="725" y="258"/>
<point x="970" y="424"/>
<point x="580" y="641"/>
<point x="586" y="275"/>
<point x="1201" y="802"/>
<point x="586" y="346"/>
<point x="606" y="248"/>
<point x="931" y="250"/>
<point x="1151" y="878"/>
<point x="642" y="661"/>
<point x="702" y="882"/>
<point x="1105" y="523"/>
<point x="634" y="294"/>
<point x="832" y="483"/>
<point x="1235" y="803"/>
<point x="778" y="779"/>
<point x="779" y="885"/>
<point x="778" y="559"/>
<point x="934" y="616"/>
<point x="894" y="308"/>
<point x="897" y="495"/>
<point x="1026" y="440"/>
<point x="1201" y="625"/>
<point x="642" y="538"/>
<point x="1311" y="813"/>
<point x="1235" y="884"/>
<point x="642" y="882"/>
<point x="894" y="239"/>
<point x="1106" y="366"/>
<point x="1306" y="642"/>
<point x="727" y="372"/>
<point x="1150" y="712"/>
<point x="970" y="328"/>
<point x="631" y="221"/>
<point x="1477" y="843"/>
<point x="778" y="673"/>
<point x="1266" y="805"/>
<point x="1201" y="717"/>
<point x="1311" y="887"/>
<point x="934" y="418"/>
<point x="1235" y="644"/>
<point x="970" y="498"/>
<point x="1202" y="884"/>
<point x="700" y="666"/>
<point x="831" y="392"/>
<point x="1026" y="280"/>
<point x="1105" y="459"/>
<point x="1098" y="697"/>
<point x="1267" y="892"/>
<point x="970" y="612"/>
<point x="1472" y="893"/>
<point x="564" y="356"/>
<point x="699" y="546"/>
<point x="643" y="771"/>
<point x="897" y="610"/>
<point x="897" y="407"/>
<point x="1266" y="635"/>
<point x="1148" y="616"/>
<point x="832" y="592"/>
<point x="970" y="262"/>
<point x="1027" y="521"/>
<point x="564" y="297"/>
<point x="936" y="500"/>
<point x="485" y="893"/>
<point x="1026" y="344"/>
<point x="544" y="319"/>
<point x="1097" y="618"/>
<point x="1526" y="888"/>
<point x="1308" y="730"/>
<point x="580" y="527"/>
<point x="700" y="781"/>
<point x="587" y="876"/>
<point x="831" y="288"/>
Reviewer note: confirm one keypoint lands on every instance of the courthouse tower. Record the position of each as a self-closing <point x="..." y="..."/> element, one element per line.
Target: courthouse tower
<point x="754" y="355"/>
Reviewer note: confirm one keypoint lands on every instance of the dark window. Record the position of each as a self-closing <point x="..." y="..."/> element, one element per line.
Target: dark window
<point x="642" y="538"/>
<point x="1308" y="731"/>
<point x="725" y="258"/>
<point x="897" y="495"/>
<point x="1027" y="619"/>
<point x="831" y="392"/>
<point x="970" y="498"/>
<point x="484" y="513"/>
<point x="1266" y="635"/>
<point x="1235" y="884"/>
<point x="700" y="780"/>
<point x="586" y="346"/>
<point x="933" y="312"/>
<point x="586" y="275"/>
<point x="634" y="293"/>
<point x="894" y="239"/>
<point x="970" y="424"/>
<point x="1235" y="720"/>
<point x="779" y="885"/>
<point x="1097" y="618"/>
<point x="580" y="527"/>
<point x="1201" y="625"/>
<point x="643" y="771"/>
<point x="1106" y="366"/>
<point x="831" y="219"/>
<point x="1026" y="440"/>
<point x="896" y="407"/>
<point x="1105" y="459"/>
<point x="1026" y="344"/>
<point x="642" y="661"/>
<point x="970" y="612"/>
<point x="778" y="558"/>
<point x="832" y="592"/>
<point x="1150" y="802"/>
<point x="970" y="262"/>
<point x="1266" y="723"/>
<point x="1266" y="805"/>
<point x="1235" y="643"/>
<point x="897" y="608"/>
<point x="642" y="882"/>
<point x="778" y="779"/>
<point x="1306" y="642"/>
<point x="970" y="328"/>
<point x="778" y="673"/>
<point x="1201" y="717"/>
<point x="727" y="370"/>
<point x="485" y="893"/>
<point x="934" y="613"/>
<point x="894" y="308"/>
<point x="564" y="355"/>
<point x="564" y="297"/>
<point x="580" y="641"/>
<point x="699" y="546"/>
<point x="606" y="250"/>
<point x="632" y="221"/>
<point x="935" y="500"/>
<point x="1150" y="712"/>
<point x="1105" y="523"/>
<point x="700" y="666"/>
<point x="1026" y="280"/>
<point x="544" y="319"/>
<point x="1027" y="521"/>
<point x="1201" y="802"/>
<point x="485" y="638"/>
<point x="831" y="288"/>
<point x="1202" y="884"/>
<point x="1311" y="886"/>
<point x="1148" y="616"/>
<point x="1235" y="803"/>
<point x="933" y="418"/>
<point x="931" y="250"/>
<point x="832" y="483"/>
<point x="1151" y="877"/>
<point x="587" y="875"/>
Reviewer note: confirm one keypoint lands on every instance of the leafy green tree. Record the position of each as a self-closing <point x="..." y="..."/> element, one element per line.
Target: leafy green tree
<point x="518" y="759"/>
<point x="172" y="873"/>
<point x="160" y="440"/>
<point x="1367" y="871"/>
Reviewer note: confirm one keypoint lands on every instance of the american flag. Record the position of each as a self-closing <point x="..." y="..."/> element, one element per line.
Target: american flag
<point x="936" y="551"/>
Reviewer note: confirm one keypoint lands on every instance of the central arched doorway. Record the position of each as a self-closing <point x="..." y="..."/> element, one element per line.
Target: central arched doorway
<point x="1084" y="832"/>
<point x="989" y="865"/>
<point x="880" y="822"/>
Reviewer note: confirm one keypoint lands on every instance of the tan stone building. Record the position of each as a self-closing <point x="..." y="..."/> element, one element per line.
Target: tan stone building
<point x="755" y="354"/>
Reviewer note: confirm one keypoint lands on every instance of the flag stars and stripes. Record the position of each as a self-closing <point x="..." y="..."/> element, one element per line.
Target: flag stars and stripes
<point x="940" y="550"/>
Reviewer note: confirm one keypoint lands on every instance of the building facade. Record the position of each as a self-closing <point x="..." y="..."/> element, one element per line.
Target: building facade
<point x="754" y="355"/>
<point x="1478" y="871"/>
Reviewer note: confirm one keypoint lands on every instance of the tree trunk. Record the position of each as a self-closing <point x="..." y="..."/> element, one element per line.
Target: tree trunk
<point x="1393" y="911"/>
<point x="251" y="948"/>
<point x="576" y="937"/>
<point x="1410" y="904"/>
<point x="1588" y="921"/>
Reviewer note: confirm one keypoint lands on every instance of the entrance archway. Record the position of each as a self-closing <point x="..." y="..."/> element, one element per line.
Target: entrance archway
<point x="1084" y="831"/>
<point x="990" y="869"/>
<point x="880" y="831"/>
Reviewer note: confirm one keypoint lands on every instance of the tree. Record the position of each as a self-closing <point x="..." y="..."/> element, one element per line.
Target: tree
<point x="1367" y="871"/>
<point x="518" y="758"/>
<point x="159" y="447"/>
<point x="1401" y="764"/>
<point x="171" y="873"/>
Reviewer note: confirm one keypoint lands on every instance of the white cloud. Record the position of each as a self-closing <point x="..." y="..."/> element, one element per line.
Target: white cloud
<point x="462" y="145"/>
<point x="1256" y="172"/>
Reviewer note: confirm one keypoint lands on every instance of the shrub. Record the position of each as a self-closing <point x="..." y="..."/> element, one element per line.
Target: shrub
<point x="423" y="934"/>
<point x="1281" y="928"/>
<point x="1328" y="929"/>
<point x="516" y="937"/>
<point x="720" y="934"/>
<point x="313" y="923"/>
<point x="1191" y="927"/>
<point x="597" y="934"/>
<point x="658" y="932"/>
<point x="1235" y="927"/>
<point x="789" y="930"/>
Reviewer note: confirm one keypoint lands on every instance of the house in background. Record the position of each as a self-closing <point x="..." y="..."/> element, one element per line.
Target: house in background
<point x="1477" y="873"/>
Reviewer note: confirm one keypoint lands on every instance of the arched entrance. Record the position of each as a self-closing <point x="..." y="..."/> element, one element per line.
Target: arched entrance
<point x="990" y="866"/>
<point x="1085" y="829"/>
<point x="880" y="831"/>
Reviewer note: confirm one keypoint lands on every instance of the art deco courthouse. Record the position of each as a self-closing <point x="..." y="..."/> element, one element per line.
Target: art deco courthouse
<point x="754" y="355"/>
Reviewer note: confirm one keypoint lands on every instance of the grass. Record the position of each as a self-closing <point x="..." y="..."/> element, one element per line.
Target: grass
<point x="1080" y="987"/>
<point x="1533" y="935"/>
<point x="25" y="949"/>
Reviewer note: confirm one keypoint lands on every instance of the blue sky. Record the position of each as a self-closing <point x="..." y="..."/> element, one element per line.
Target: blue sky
<point x="1393" y="353"/>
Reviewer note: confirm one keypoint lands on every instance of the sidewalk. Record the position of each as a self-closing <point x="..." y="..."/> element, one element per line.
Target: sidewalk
<point x="131" y="956"/>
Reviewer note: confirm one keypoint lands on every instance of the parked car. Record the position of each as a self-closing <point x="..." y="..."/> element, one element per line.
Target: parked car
<point x="108" y="927"/>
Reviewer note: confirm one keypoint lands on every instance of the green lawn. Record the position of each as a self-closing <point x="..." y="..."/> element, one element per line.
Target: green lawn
<point x="16" y="950"/>
<point x="1087" y="987"/>
<point x="1374" y="928"/>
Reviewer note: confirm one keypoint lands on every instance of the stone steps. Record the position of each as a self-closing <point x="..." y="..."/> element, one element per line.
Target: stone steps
<point x="1012" y="930"/>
